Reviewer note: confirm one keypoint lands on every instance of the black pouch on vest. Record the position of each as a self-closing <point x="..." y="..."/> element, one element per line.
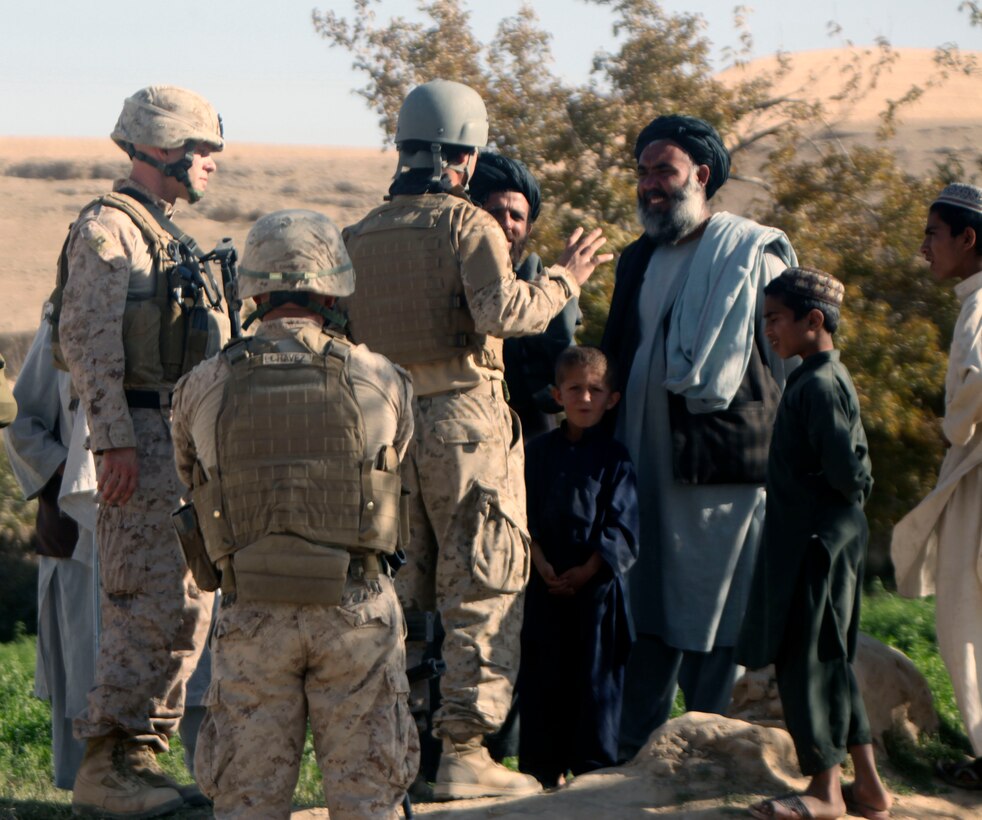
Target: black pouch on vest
<point x="205" y="574"/>
<point x="727" y="446"/>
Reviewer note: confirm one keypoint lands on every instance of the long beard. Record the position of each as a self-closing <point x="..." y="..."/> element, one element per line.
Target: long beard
<point x="684" y="215"/>
<point x="516" y="250"/>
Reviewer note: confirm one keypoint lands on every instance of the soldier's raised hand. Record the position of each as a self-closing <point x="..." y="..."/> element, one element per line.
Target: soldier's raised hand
<point x="580" y="257"/>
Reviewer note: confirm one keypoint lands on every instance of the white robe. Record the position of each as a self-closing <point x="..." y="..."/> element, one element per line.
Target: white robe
<point x="937" y="546"/>
<point x="41" y="439"/>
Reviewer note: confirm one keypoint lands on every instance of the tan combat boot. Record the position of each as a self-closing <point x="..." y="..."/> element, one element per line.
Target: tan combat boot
<point x="104" y="787"/>
<point x="467" y="770"/>
<point x="141" y="761"/>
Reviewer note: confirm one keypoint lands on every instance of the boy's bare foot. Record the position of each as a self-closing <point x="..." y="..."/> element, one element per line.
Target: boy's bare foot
<point x="871" y="803"/>
<point x="796" y="807"/>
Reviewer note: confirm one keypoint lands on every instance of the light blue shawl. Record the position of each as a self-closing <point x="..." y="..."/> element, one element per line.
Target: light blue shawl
<point x="711" y="329"/>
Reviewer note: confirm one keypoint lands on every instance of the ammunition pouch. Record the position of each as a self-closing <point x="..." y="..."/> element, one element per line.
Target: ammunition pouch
<point x="288" y="569"/>
<point x="381" y="525"/>
<point x="204" y="572"/>
<point x="166" y="335"/>
<point x="214" y="527"/>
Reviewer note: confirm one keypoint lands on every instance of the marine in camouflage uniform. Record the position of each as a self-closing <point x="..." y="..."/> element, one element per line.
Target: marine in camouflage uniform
<point x="506" y="189"/>
<point x="112" y="337"/>
<point x="246" y="424"/>
<point x="436" y="294"/>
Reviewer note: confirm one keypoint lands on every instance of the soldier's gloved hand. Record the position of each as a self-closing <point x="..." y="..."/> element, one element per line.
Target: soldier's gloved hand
<point x="581" y="257"/>
<point x="119" y="471"/>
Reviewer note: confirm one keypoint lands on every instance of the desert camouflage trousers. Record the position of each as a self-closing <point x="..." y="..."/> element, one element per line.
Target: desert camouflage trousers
<point x="274" y="666"/>
<point x="468" y="553"/>
<point x="155" y="621"/>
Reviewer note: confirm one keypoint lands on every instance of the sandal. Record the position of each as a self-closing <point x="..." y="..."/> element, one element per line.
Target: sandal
<point x="792" y="802"/>
<point x="962" y="774"/>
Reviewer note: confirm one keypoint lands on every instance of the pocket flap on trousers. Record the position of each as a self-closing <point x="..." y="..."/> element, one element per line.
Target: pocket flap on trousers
<point x="463" y="431"/>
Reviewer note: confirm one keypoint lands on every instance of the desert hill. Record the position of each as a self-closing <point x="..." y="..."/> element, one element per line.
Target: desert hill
<point x="44" y="181"/>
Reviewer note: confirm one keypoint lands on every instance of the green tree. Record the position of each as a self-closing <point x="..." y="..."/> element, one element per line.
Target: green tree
<point x="852" y="211"/>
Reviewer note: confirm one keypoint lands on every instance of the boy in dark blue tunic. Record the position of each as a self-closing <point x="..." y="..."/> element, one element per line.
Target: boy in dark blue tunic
<point x="583" y="518"/>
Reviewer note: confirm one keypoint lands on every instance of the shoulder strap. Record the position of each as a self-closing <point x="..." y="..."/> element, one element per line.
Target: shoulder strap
<point x="161" y="219"/>
<point x="172" y="231"/>
<point x="141" y="216"/>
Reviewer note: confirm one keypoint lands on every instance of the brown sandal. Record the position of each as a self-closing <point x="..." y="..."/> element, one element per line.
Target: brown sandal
<point x="791" y="802"/>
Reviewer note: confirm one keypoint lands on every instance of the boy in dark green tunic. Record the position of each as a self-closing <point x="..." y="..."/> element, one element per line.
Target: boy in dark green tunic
<point x="803" y="614"/>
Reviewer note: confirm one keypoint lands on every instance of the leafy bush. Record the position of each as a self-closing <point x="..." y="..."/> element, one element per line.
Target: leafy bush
<point x="854" y="211"/>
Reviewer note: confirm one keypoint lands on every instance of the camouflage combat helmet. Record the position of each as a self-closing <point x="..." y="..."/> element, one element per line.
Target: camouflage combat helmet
<point x="440" y="113"/>
<point x="165" y="116"/>
<point x="295" y="250"/>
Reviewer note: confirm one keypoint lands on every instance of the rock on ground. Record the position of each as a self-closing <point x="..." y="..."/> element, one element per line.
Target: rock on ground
<point x="698" y="767"/>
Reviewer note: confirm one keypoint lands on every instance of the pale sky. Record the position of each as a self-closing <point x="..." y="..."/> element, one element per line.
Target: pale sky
<point x="66" y="65"/>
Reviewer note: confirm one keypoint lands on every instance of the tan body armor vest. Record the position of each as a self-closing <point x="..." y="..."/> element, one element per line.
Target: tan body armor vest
<point x="410" y="304"/>
<point x="292" y="475"/>
<point x="165" y="335"/>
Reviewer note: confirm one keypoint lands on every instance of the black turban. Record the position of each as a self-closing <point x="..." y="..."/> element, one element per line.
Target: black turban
<point x="697" y="138"/>
<point x="495" y="172"/>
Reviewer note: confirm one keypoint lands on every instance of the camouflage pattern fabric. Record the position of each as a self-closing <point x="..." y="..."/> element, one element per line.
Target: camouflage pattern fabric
<point x="500" y="304"/>
<point x="464" y="553"/>
<point x="275" y="665"/>
<point x="109" y="263"/>
<point x="154" y="619"/>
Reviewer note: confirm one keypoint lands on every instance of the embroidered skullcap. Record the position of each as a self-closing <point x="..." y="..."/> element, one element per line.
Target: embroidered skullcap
<point x="812" y="283"/>
<point x="495" y="172"/>
<point x="697" y="138"/>
<point x="961" y="195"/>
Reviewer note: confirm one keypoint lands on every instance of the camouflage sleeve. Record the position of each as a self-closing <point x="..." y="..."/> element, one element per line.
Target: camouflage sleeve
<point x="189" y="395"/>
<point x="500" y="303"/>
<point x="385" y="393"/>
<point x="91" y="331"/>
<point x="404" y="431"/>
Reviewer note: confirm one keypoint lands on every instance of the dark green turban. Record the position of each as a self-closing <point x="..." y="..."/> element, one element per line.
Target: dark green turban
<point x="495" y="172"/>
<point x="697" y="138"/>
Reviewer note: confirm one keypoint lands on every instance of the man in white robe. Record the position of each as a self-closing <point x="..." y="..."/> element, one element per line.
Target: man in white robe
<point x="937" y="547"/>
<point x="44" y="442"/>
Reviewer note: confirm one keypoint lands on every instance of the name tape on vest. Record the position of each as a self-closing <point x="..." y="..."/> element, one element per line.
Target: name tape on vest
<point x="287" y="358"/>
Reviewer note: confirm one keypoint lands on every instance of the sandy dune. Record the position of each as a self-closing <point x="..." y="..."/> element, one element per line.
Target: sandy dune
<point x="45" y="181"/>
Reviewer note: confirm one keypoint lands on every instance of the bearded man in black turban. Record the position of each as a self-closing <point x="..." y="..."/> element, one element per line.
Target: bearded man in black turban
<point x="506" y="189"/>
<point x="699" y="393"/>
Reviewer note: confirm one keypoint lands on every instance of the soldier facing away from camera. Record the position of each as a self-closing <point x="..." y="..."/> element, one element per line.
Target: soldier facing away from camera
<point x="437" y="294"/>
<point x="290" y="441"/>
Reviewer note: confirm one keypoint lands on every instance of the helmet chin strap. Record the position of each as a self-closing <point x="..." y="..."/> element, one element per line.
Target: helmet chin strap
<point x="302" y="299"/>
<point x="462" y="169"/>
<point x="177" y="169"/>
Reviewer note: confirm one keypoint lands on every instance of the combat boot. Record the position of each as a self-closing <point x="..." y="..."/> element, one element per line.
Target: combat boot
<point x="467" y="770"/>
<point x="105" y="788"/>
<point x="141" y="761"/>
